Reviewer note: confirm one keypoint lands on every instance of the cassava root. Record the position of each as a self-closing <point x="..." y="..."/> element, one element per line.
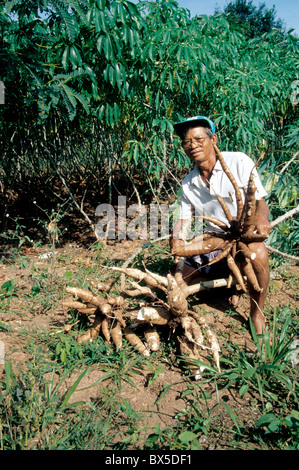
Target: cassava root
<point x="114" y="324"/>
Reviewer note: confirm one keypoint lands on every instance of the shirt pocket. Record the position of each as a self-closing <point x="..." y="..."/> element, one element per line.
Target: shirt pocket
<point x="225" y="190"/>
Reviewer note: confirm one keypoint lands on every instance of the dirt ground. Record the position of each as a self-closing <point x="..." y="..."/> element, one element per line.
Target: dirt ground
<point x="230" y="324"/>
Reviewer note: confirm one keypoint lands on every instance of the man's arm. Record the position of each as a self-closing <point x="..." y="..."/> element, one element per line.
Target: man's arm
<point x="177" y="239"/>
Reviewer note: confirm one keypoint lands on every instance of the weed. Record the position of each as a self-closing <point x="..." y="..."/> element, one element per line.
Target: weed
<point x="281" y="431"/>
<point x="7" y="292"/>
<point x="17" y="236"/>
<point x="51" y="224"/>
<point x="266" y="370"/>
<point x="31" y="404"/>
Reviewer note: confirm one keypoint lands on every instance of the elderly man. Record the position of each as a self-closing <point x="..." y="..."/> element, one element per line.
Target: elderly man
<point x="198" y="195"/>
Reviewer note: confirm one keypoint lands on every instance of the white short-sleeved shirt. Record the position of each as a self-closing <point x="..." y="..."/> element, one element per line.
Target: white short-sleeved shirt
<point x="198" y="199"/>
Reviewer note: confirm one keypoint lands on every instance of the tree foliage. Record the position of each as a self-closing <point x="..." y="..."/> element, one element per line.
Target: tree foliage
<point x="250" y="19"/>
<point x="93" y="87"/>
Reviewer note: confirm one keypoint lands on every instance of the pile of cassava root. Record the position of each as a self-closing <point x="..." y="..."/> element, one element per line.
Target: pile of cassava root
<point x="113" y="318"/>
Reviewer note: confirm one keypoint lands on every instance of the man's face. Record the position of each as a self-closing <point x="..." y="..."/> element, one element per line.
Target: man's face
<point x="198" y="146"/>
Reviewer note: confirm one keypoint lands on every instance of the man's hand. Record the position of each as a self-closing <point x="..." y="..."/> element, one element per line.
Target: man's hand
<point x="175" y="241"/>
<point x="262" y="225"/>
<point x="175" y="245"/>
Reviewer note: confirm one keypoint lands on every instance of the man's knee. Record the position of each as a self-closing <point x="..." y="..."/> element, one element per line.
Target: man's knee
<point x="261" y="261"/>
<point x="260" y="251"/>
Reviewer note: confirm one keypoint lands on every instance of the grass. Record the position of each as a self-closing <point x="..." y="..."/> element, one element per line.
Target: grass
<point x="38" y="404"/>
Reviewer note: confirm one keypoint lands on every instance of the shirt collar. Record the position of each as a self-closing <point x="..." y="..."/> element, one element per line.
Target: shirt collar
<point x="196" y="179"/>
<point x="217" y="166"/>
<point x="195" y="176"/>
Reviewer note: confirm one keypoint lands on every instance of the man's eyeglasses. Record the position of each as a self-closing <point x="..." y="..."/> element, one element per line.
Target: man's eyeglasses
<point x="198" y="141"/>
